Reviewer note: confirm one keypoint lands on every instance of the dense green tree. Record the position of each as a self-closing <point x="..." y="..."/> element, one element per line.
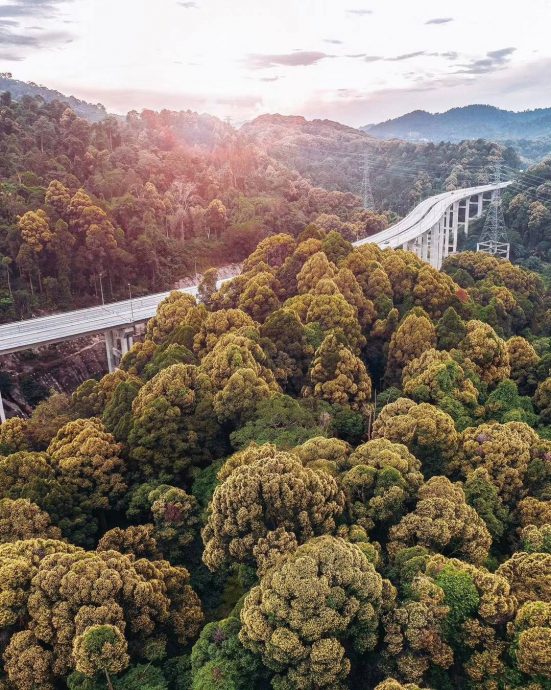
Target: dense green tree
<point x="310" y="609"/>
<point x="414" y="335"/>
<point x="260" y="498"/>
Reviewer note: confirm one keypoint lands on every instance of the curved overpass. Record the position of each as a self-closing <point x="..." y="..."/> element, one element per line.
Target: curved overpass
<point x="430" y="230"/>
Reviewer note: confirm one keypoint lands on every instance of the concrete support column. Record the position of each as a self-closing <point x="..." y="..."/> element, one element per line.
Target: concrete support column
<point x="455" y="227"/>
<point x="443" y="237"/>
<point x="2" y="411"/>
<point x="124" y="344"/>
<point x="109" y="348"/>
<point x="467" y="216"/>
<point x="435" y="239"/>
<point x="451" y="211"/>
<point x="480" y="205"/>
<point x="425" y="246"/>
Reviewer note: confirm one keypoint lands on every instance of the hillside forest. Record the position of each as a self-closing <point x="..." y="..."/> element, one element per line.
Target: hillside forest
<point x="332" y="473"/>
<point x="93" y="210"/>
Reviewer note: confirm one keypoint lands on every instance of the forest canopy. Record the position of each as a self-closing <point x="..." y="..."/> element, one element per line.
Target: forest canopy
<point x="334" y="472"/>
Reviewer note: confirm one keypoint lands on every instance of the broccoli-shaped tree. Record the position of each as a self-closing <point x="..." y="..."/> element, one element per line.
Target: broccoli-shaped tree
<point x="443" y="522"/>
<point x="542" y="401"/>
<point x="435" y="377"/>
<point x="413" y="336"/>
<point x="414" y="638"/>
<point x="88" y="460"/>
<point x="380" y="481"/>
<point x="524" y="360"/>
<point x="338" y="376"/>
<point x="101" y="649"/>
<point x="315" y="268"/>
<point x="529" y="575"/>
<point x="15" y="437"/>
<point x="486" y="353"/>
<point x="64" y="591"/>
<point x="311" y="607"/>
<point x="175" y="516"/>
<point x="136" y="539"/>
<point x="332" y="312"/>
<point x="170" y="314"/>
<point x="428" y="432"/>
<point x="434" y="291"/>
<point x="288" y="347"/>
<point x="328" y="454"/>
<point x="22" y="519"/>
<point x="450" y="330"/>
<point x="220" y="662"/>
<point x="217" y="324"/>
<point x="174" y="425"/>
<point x="506" y="451"/>
<point x="531" y="632"/>
<point x="391" y="684"/>
<point x="262" y="496"/>
<point x="260" y="298"/>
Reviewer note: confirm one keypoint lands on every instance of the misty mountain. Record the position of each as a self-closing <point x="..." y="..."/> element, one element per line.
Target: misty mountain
<point x="469" y="122"/>
<point x="90" y="111"/>
<point x="332" y="155"/>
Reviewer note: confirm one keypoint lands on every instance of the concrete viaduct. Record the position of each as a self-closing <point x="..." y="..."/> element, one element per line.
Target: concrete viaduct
<point x="430" y="230"/>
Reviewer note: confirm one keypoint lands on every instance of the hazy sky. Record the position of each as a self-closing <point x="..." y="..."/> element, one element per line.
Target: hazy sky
<point x="355" y="61"/>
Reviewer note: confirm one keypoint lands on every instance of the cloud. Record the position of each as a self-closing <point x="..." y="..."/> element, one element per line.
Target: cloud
<point x="14" y="34"/>
<point x="269" y="78"/>
<point x="510" y="88"/>
<point x="10" y="57"/>
<point x="494" y="60"/>
<point x="334" y="41"/>
<point x="299" y="58"/>
<point x="360" y="12"/>
<point x="123" y="100"/>
<point x="11" y="38"/>
<point x="500" y="54"/>
<point x="440" y="20"/>
<point x="449" y="55"/>
<point x="188" y="5"/>
<point x="406" y="56"/>
<point x="32" y="8"/>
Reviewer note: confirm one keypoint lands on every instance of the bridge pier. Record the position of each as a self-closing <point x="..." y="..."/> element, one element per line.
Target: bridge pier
<point x="467" y="216"/>
<point x="117" y="343"/>
<point x="480" y="205"/>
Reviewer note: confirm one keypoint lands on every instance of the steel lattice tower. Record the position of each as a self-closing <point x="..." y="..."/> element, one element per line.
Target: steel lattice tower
<point x="367" y="192"/>
<point x="494" y="239"/>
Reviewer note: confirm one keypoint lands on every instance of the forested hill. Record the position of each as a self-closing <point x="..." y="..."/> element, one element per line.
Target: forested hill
<point x="152" y="198"/>
<point x="528" y="215"/>
<point x="332" y="155"/>
<point x="332" y="474"/>
<point x="19" y="89"/>
<point x="469" y="122"/>
<point x="144" y="201"/>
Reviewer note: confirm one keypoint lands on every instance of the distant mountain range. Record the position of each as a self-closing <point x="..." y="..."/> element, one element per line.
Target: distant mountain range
<point x="528" y="132"/>
<point x="18" y="89"/>
<point x="470" y="122"/>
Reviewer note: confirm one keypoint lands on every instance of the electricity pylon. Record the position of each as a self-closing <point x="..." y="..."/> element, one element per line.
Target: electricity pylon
<point x="494" y="239"/>
<point x="367" y="192"/>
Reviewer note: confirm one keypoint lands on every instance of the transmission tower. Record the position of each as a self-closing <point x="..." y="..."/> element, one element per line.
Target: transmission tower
<point x="494" y="239"/>
<point x="367" y="192"/>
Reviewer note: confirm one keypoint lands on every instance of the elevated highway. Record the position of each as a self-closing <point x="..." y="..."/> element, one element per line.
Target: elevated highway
<point x="431" y="231"/>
